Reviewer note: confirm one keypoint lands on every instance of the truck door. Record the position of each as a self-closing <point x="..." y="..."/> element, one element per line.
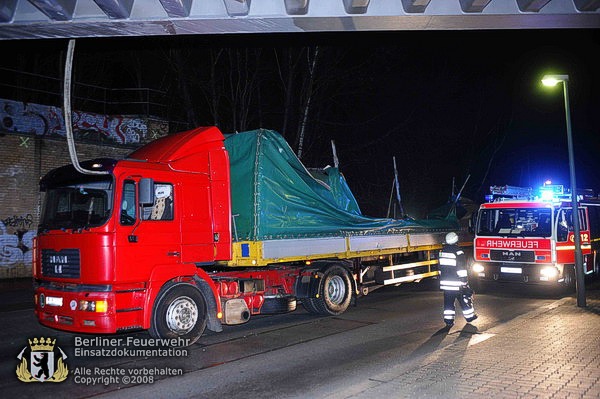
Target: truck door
<point x="565" y="238"/>
<point x="148" y="235"/>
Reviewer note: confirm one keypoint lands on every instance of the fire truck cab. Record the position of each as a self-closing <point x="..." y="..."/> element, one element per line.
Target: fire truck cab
<point x="526" y="236"/>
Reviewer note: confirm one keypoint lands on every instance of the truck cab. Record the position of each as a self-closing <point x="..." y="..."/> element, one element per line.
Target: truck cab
<point x="108" y="242"/>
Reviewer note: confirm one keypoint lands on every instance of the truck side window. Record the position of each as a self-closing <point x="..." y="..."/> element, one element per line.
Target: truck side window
<point x="162" y="209"/>
<point x="128" y="207"/>
<point x="564" y="225"/>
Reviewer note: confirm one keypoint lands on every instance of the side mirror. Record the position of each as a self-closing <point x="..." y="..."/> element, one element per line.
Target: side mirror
<point x="146" y="191"/>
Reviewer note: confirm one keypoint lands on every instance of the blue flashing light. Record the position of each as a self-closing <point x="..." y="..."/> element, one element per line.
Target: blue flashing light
<point x="551" y="192"/>
<point x="547" y="195"/>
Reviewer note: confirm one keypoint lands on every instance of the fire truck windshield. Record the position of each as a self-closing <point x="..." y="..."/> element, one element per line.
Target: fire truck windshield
<point x="77" y="205"/>
<point x="515" y="222"/>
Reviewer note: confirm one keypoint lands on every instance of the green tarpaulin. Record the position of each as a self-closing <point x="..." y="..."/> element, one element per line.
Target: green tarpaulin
<point x="275" y="196"/>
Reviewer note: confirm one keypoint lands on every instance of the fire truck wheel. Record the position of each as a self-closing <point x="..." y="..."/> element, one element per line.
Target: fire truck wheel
<point x="179" y="312"/>
<point x="335" y="293"/>
<point x="570" y="278"/>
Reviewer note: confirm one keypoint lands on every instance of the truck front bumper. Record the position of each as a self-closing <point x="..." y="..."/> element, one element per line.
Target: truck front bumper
<point x="516" y="272"/>
<point x="75" y="311"/>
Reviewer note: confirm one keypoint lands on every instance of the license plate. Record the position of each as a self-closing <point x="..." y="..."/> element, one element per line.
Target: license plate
<point x="513" y="270"/>
<point x="54" y="301"/>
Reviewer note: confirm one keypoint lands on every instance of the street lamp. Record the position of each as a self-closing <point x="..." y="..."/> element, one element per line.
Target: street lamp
<point x="553" y="80"/>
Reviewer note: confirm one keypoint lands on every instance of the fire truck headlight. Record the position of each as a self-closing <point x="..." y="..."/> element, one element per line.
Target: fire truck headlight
<point x="477" y="268"/>
<point x="549" y="272"/>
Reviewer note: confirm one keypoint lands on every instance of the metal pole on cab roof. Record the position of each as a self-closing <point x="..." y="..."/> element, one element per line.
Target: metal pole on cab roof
<point x="67" y="111"/>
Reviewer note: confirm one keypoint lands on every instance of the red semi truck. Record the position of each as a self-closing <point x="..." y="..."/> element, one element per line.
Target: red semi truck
<point x="196" y="230"/>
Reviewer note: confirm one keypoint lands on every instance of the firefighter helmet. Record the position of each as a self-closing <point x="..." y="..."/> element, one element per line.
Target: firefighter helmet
<point x="451" y="238"/>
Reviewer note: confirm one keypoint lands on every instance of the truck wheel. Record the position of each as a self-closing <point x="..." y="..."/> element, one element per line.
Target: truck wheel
<point x="277" y="305"/>
<point x="179" y="312"/>
<point x="570" y="278"/>
<point x="335" y="293"/>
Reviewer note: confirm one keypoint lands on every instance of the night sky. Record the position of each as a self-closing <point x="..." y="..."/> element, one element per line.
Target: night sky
<point x="446" y="104"/>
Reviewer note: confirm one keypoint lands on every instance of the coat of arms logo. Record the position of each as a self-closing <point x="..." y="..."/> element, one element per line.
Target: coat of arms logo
<point x="46" y="364"/>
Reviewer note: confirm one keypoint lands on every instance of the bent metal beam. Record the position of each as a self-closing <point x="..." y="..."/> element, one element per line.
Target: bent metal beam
<point x="37" y="19"/>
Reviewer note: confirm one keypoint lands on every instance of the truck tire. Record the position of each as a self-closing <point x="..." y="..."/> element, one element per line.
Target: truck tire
<point x="278" y="305"/>
<point x="179" y="312"/>
<point x="335" y="293"/>
<point x="570" y="277"/>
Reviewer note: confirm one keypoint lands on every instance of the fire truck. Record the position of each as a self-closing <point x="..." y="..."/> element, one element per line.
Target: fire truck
<point x="197" y="230"/>
<point x="526" y="236"/>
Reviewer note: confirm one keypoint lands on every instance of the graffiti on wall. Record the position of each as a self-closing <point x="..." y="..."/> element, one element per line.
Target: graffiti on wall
<point x="43" y="120"/>
<point x="15" y="248"/>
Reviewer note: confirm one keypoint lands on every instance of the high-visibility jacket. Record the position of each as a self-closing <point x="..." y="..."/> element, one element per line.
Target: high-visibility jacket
<point x="453" y="268"/>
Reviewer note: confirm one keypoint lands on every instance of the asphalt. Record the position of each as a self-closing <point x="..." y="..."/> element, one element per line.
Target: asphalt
<point x="550" y="352"/>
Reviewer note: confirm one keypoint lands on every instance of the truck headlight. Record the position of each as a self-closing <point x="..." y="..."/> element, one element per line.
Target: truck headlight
<point x="93" y="306"/>
<point x="549" y="271"/>
<point x="477" y="268"/>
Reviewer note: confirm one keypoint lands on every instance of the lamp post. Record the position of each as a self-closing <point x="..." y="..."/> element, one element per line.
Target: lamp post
<point x="553" y="80"/>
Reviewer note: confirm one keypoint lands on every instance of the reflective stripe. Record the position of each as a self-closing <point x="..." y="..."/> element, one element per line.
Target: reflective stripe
<point x="451" y="282"/>
<point x="449" y="312"/>
<point x="468" y="312"/>
<point x="447" y="255"/>
<point x="460" y="252"/>
<point x="447" y="262"/>
<point x="448" y="288"/>
<point x="448" y="317"/>
<point x="461" y="273"/>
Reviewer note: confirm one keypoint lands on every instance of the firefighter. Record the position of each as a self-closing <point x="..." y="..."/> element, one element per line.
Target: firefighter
<point x="453" y="281"/>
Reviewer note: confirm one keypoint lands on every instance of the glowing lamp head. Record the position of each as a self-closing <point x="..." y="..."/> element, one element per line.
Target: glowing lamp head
<point x="550" y="81"/>
<point x="553" y="80"/>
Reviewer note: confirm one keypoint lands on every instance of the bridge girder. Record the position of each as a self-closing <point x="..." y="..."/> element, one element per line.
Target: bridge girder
<point x="36" y="19"/>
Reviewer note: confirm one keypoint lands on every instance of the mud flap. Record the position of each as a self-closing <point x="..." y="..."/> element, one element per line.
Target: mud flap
<point x="213" y="323"/>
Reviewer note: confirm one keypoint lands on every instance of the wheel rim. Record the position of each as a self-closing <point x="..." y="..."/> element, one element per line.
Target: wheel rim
<point x="336" y="289"/>
<point x="182" y="315"/>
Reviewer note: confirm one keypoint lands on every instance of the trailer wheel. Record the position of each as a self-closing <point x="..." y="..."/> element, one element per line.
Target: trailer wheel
<point x="179" y="312"/>
<point x="335" y="293"/>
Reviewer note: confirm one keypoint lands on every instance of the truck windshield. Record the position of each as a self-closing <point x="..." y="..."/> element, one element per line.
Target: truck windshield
<point x="515" y="222"/>
<point x="77" y="206"/>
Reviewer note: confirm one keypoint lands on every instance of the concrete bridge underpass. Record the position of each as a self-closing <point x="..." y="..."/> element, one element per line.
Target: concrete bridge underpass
<point x="38" y="19"/>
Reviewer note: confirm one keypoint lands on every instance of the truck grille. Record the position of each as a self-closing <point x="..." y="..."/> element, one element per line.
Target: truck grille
<point x="512" y="255"/>
<point x="64" y="263"/>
